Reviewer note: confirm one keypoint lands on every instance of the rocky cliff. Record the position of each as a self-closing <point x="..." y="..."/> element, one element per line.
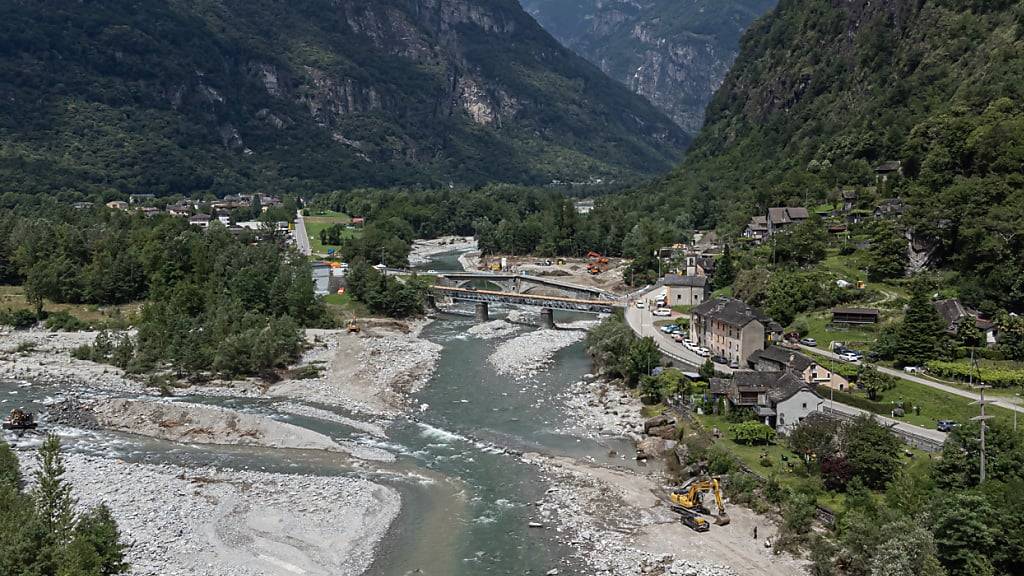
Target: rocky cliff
<point x="675" y="53"/>
<point x="222" y="96"/>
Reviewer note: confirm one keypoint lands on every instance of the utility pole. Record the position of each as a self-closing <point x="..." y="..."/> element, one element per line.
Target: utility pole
<point x="982" y="417"/>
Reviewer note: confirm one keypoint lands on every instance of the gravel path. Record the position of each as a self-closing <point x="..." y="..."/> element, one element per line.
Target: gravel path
<point x="209" y="522"/>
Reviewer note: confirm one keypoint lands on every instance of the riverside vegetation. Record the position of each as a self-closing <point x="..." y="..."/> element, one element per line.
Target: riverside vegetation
<point x="42" y="531"/>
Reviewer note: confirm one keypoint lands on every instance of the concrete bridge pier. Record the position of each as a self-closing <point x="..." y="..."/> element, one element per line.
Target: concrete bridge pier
<point x="547" y="318"/>
<point x="431" y="302"/>
<point x="482" y="313"/>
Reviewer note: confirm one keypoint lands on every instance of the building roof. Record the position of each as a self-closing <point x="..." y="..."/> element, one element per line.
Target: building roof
<point x="758" y="223"/>
<point x="862" y="311"/>
<point x="849" y="193"/>
<point x="731" y="311"/>
<point x="200" y="218"/>
<point x="889" y="166"/>
<point x="778" y="386"/>
<point x="952" y="312"/>
<point x="691" y="281"/>
<point x="786" y="215"/>
<point x="783" y="357"/>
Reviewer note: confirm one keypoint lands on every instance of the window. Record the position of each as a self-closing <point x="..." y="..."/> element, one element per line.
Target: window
<point x="804" y="406"/>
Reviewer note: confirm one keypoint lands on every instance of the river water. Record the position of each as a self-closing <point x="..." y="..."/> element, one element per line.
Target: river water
<point x="467" y="498"/>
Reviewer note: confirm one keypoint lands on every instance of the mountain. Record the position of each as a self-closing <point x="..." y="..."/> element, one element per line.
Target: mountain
<point x="824" y="90"/>
<point x="223" y="96"/>
<point x="673" y="52"/>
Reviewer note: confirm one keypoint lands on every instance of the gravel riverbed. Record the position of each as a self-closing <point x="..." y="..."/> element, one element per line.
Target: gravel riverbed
<point x="526" y="355"/>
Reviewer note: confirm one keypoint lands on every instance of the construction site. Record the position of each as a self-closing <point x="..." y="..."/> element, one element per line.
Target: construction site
<point x="594" y="269"/>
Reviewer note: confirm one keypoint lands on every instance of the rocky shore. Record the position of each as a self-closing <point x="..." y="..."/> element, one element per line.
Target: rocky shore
<point x="422" y="250"/>
<point x="526" y="355"/>
<point x="210" y="522"/>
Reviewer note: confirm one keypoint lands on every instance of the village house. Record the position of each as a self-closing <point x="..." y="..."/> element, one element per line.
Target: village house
<point x="140" y="198"/>
<point x="779" y="217"/>
<point x="887" y="170"/>
<point x="889" y="209"/>
<point x="685" y="290"/>
<point x="181" y="208"/>
<point x="730" y="328"/>
<point x="700" y="265"/>
<point x="849" y="197"/>
<point x="149" y="210"/>
<point x="777" y="359"/>
<point x="117" y="205"/>
<point x="779" y="399"/>
<point x="201" y="220"/>
<point x="954" y="313"/>
<point x="82" y="205"/>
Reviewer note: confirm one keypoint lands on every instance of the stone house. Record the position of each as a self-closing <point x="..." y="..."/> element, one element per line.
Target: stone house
<point x="731" y="328"/>
<point x="779" y="399"/>
<point x="685" y="290"/>
<point x="777" y="359"/>
<point x="954" y="313"/>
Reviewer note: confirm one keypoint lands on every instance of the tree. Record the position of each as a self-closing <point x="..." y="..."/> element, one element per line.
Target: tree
<point x="752" y="432"/>
<point x="1011" y="335"/>
<point x="608" y="344"/>
<point x="707" y="370"/>
<point x="643" y="356"/>
<point x="968" y="333"/>
<point x="906" y="549"/>
<point x="96" y="548"/>
<point x="52" y="494"/>
<point x="888" y="253"/>
<point x="967" y="540"/>
<point x="725" y="269"/>
<point x="920" y="333"/>
<point x="802" y="244"/>
<point x="813" y="438"/>
<point x="874" y="382"/>
<point x="10" y="472"/>
<point x="871" y="451"/>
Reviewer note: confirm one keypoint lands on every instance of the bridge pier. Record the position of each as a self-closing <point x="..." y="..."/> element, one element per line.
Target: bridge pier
<point x="547" y="318"/>
<point x="431" y="302"/>
<point x="482" y="313"/>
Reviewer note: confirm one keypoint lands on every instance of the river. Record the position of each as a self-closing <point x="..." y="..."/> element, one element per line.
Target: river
<point x="467" y="497"/>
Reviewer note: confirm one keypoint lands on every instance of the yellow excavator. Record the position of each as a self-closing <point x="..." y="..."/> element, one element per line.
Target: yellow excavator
<point x="689" y="502"/>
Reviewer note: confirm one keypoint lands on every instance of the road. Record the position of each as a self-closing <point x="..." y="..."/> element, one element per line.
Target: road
<point x="934" y="435"/>
<point x="1001" y="402"/>
<point x="301" y="237"/>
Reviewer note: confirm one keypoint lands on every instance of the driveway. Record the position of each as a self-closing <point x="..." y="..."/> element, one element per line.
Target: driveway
<point x="1001" y="402"/>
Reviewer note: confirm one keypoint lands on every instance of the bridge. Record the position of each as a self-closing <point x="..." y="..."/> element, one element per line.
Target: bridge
<point x="546" y="303"/>
<point x="524" y="284"/>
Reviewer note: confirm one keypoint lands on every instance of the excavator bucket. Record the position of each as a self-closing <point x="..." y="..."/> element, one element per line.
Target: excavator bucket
<point x="722" y="520"/>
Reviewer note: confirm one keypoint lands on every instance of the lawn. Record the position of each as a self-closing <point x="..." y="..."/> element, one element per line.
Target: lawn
<point x="853" y="268"/>
<point x="345" y="306"/>
<point x="13" y="298"/>
<point x="858" y="337"/>
<point x="321" y="220"/>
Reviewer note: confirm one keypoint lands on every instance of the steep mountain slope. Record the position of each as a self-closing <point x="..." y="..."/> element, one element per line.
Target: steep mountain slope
<point x="823" y="90"/>
<point x="674" y="52"/>
<point x="222" y="96"/>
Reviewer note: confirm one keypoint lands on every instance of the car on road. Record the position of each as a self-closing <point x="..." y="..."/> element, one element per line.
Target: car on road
<point x="670" y="328"/>
<point x="913" y="369"/>
<point x="849" y="357"/>
<point x="702" y="351"/>
<point x="662" y="312"/>
<point x="946" y="425"/>
<point x="678" y="337"/>
<point x="809" y="342"/>
<point x="640" y="305"/>
<point x="719" y="359"/>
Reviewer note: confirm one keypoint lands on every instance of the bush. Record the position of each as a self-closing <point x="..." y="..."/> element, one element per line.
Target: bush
<point x="19" y="319"/>
<point x="65" y="322"/>
<point x="998" y="377"/>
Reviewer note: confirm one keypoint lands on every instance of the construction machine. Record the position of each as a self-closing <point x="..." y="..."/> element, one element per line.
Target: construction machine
<point x="353" y="327"/>
<point x="690" y="499"/>
<point x="20" y="420"/>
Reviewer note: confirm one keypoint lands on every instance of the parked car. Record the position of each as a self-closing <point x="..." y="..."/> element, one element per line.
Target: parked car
<point x="946" y="425"/>
<point x="914" y="369"/>
<point x="677" y="337"/>
<point x="840" y="349"/>
<point x="849" y="357"/>
<point x="662" y="312"/>
<point x="719" y="359"/>
<point x="808" y="341"/>
<point x="735" y="364"/>
<point x="667" y="329"/>
<point x="702" y="352"/>
<point x="640" y="305"/>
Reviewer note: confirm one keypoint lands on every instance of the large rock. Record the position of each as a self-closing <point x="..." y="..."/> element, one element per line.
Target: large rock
<point x="654" y="447"/>
<point x="668" y="432"/>
<point x="658" y="421"/>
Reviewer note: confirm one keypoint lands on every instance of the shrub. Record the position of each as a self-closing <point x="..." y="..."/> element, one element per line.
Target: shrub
<point x="65" y="322"/>
<point x="19" y="319"/>
<point x="998" y="377"/>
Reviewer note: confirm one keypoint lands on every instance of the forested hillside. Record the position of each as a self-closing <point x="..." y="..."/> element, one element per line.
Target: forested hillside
<point x="823" y="91"/>
<point x="673" y="53"/>
<point x="190" y="96"/>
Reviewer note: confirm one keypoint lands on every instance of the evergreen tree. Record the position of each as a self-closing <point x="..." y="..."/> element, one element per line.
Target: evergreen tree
<point x="10" y="472"/>
<point x="52" y="494"/>
<point x="725" y="270"/>
<point x="888" y="253"/>
<point x="95" y="549"/>
<point x="921" y="331"/>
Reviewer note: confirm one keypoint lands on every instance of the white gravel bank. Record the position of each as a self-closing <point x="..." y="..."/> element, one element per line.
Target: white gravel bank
<point x="493" y="329"/>
<point x="526" y="355"/>
<point x="209" y="522"/>
<point x="422" y="250"/>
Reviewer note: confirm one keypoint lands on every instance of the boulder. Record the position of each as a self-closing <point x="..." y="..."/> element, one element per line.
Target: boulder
<point x="654" y="447"/>
<point x="668" y="432"/>
<point x="656" y="421"/>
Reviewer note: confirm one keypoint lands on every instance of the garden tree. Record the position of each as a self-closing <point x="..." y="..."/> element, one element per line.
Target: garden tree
<point x="707" y="369"/>
<point x="909" y="492"/>
<point x="874" y="382"/>
<point x="813" y="438"/>
<point x="888" y="253"/>
<point x="333" y="235"/>
<point x="836" y="471"/>
<point x="790" y="293"/>
<point x="725" y="269"/>
<point x="960" y="465"/>
<point x="1011" y="335"/>
<point x="872" y="452"/>
<point x="968" y="333"/>
<point x="802" y="244"/>
<point x="921" y="330"/>
<point x="906" y="549"/>
<point x="967" y="539"/>
<point x="859" y="530"/>
<point x="608" y="344"/>
<point x="753" y="432"/>
<point x="642" y="357"/>
<point x="797" y="519"/>
<point x="665" y="385"/>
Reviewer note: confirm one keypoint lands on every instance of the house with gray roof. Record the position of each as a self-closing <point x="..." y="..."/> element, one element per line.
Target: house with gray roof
<point x="779" y="399"/>
<point x="731" y="328"/>
<point x="685" y="290"/>
<point x="776" y="359"/>
<point x="777" y="218"/>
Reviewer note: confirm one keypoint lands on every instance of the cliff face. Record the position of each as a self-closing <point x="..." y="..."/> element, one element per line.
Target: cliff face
<point x="675" y="53"/>
<point x="220" y="95"/>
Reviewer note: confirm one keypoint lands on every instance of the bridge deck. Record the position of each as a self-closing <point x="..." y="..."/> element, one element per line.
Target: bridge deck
<point x="469" y="294"/>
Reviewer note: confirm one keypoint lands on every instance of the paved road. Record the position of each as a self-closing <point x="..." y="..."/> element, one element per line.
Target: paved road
<point x="642" y="323"/>
<point x="301" y="237"/>
<point x="929" y="433"/>
<point x="1001" y="402"/>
